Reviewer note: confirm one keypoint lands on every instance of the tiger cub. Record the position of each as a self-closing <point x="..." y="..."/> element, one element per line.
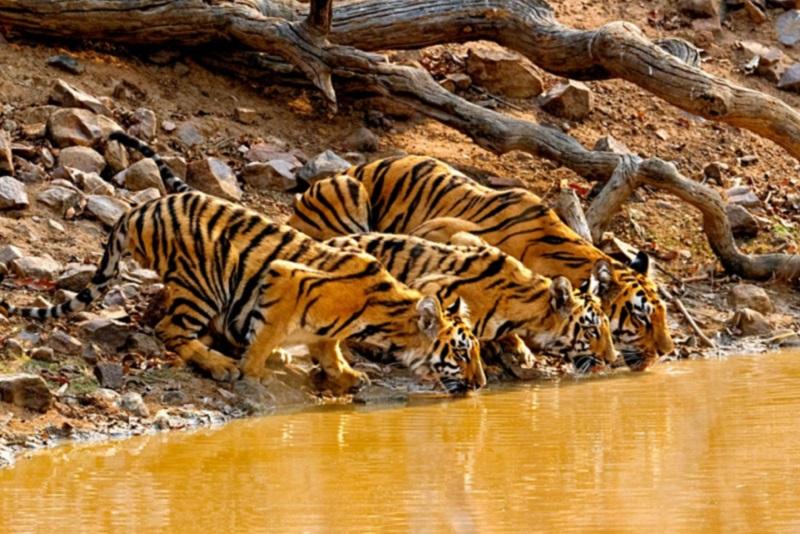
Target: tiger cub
<point x="428" y="198"/>
<point x="230" y="271"/>
<point x="504" y="298"/>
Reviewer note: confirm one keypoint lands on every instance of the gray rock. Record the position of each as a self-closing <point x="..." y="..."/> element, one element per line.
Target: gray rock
<point x="788" y="27"/>
<point x="144" y="124"/>
<point x="109" y="374"/>
<point x="362" y="140"/>
<point x="322" y="166"/>
<point x="119" y="295"/>
<point x="26" y="391"/>
<point x="145" y="195"/>
<point x="700" y="8"/>
<point x="503" y="72"/>
<point x="141" y="175"/>
<point x="30" y="172"/>
<point x="108" y="334"/>
<point x="746" y="199"/>
<point x="134" y="403"/>
<point x="246" y="115"/>
<point x="76" y="277"/>
<point x="56" y="226"/>
<point x="608" y="143"/>
<point x="790" y="79"/>
<point x="40" y="267"/>
<point x="276" y="174"/>
<point x="168" y="126"/>
<point x="92" y="183"/>
<point x="174" y="397"/>
<point x="177" y="165"/>
<point x="116" y="156"/>
<point x="213" y="176"/>
<point x="12" y="194"/>
<point x="750" y="296"/>
<point x="76" y="126"/>
<point x="43" y="354"/>
<point x="189" y="135"/>
<point x="82" y="158"/>
<point x="71" y="97"/>
<point x="10" y="253"/>
<point x="12" y="349"/>
<point x="60" y="198"/>
<point x="144" y="344"/>
<point x="146" y="276"/>
<point x="105" y="397"/>
<point x="571" y="100"/>
<point x="766" y="55"/>
<point x="750" y="323"/>
<point x="716" y="171"/>
<point x="107" y="209"/>
<point x="743" y="224"/>
<point x="6" y="161"/>
<point x="62" y="342"/>
<point x="263" y="152"/>
<point x="457" y="80"/>
<point x="375" y="394"/>
<point x="65" y="63"/>
<point x="91" y="353"/>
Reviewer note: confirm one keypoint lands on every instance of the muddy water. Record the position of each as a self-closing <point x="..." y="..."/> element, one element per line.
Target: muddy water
<point x="689" y="447"/>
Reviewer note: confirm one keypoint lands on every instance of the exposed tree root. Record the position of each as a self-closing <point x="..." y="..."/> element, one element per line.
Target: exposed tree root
<point x="614" y="50"/>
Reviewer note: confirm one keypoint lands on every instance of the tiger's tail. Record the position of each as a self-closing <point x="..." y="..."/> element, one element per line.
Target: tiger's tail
<point x="171" y="182"/>
<point x="109" y="265"/>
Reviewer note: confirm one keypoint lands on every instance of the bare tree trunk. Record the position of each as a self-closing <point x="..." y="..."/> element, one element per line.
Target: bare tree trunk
<point x="615" y="50"/>
<point x="568" y="208"/>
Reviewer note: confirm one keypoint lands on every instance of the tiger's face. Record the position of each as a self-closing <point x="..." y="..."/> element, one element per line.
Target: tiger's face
<point x="584" y="330"/>
<point x="454" y="354"/>
<point x="638" y="316"/>
<point x="593" y="344"/>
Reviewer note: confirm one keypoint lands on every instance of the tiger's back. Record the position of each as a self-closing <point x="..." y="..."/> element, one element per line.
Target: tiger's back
<point x="503" y="296"/>
<point x="428" y="198"/>
<point x="261" y="285"/>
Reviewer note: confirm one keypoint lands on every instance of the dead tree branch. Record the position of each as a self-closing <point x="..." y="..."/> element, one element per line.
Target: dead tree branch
<point x="617" y="49"/>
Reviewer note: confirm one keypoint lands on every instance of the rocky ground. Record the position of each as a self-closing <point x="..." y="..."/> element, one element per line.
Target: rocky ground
<point x="103" y="373"/>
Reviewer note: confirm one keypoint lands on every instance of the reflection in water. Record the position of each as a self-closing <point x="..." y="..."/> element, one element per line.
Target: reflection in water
<point x="686" y="447"/>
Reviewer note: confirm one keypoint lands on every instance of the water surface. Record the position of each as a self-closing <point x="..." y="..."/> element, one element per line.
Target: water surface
<point x="687" y="447"/>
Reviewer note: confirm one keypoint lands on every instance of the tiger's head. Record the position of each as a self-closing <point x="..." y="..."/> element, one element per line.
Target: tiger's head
<point x="583" y="330"/>
<point x="638" y="316"/>
<point x="453" y="357"/>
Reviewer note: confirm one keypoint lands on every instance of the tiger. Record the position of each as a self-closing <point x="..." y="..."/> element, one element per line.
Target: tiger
<point x="426" y="197"/>
<point x="506" y="301"/>
<point x="232" y="272"/>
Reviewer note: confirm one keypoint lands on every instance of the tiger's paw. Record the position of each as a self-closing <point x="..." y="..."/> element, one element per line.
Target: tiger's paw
<point x="220" y="367"/>
<point x="346" y="382"/>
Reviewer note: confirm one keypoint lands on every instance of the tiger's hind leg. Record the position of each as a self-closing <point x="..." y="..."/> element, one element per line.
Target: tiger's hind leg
<point x="286" y="319"/>
<point x="449" y="230"/>
<point x="337" y="375"/>
<point x="184" y="330"/>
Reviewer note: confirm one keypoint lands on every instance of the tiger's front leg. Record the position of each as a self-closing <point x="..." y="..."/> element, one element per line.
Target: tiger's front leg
<point x="181" y="330"/>
<point x="337" y="375"/>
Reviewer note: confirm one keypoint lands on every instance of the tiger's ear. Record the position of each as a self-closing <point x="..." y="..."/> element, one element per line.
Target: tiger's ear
<point x="641" y="263"/>
<point x="429" y="316"/>
<point x="600" y="280"/>
<point x="459" y="309"/>
<point x="561" y="299"/>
